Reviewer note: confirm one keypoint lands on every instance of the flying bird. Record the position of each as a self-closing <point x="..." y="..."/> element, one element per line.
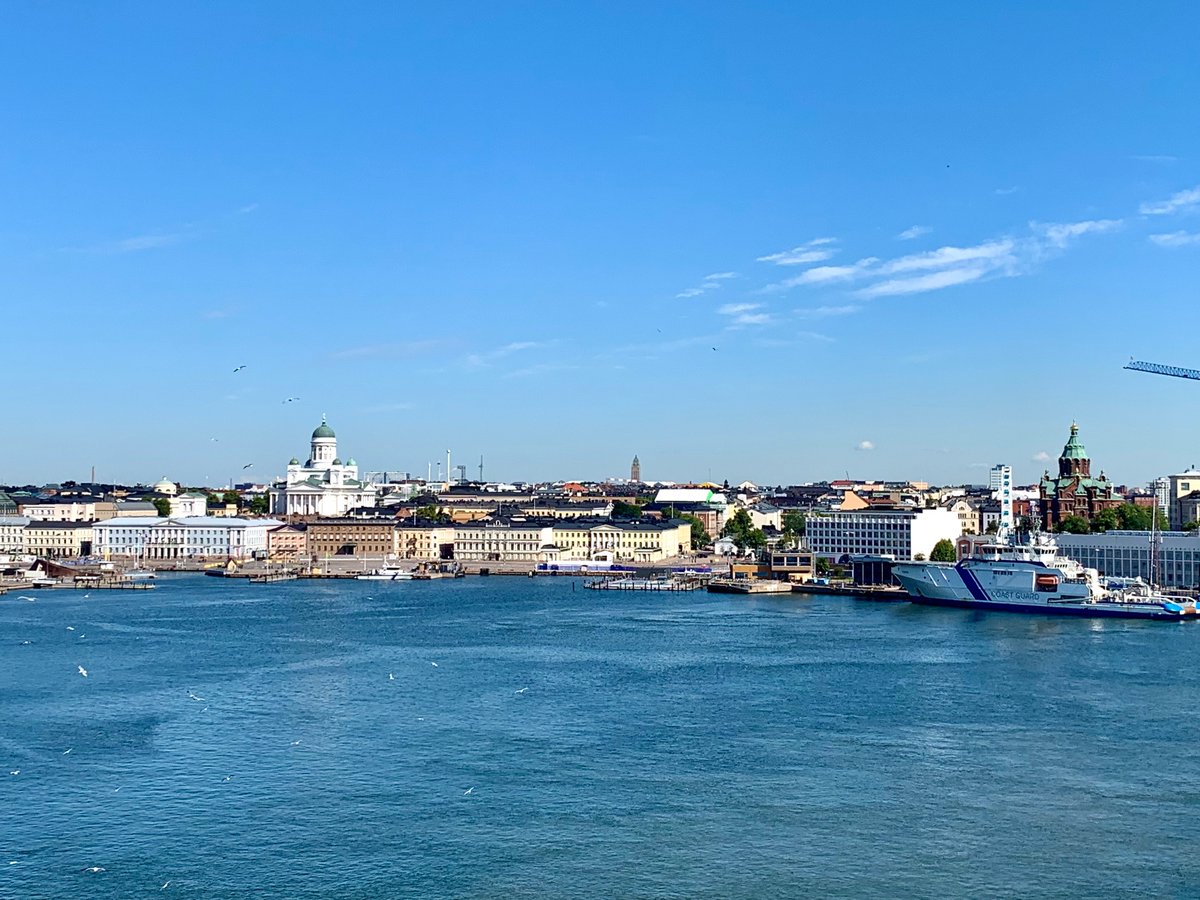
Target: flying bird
<point x="15" y="772"/>
<point x="83" y="671"/>
<point x="714" y="348"/>
<point x="68" y="750"/>
<point x="166" y="884"/>
<point x="70" y="628"/>
<point x="521" y="691"/>
<point x="238" y="369"/>
<point x="468" y="791"/>
<point x="85" y="596"/>
<point x="30" y="599"/>
<point x="95" y="869"/>
<point x="391" y="677"/>
<point x="435" y="665"/>
<point x="248" y="466"/>
<point x="194" y="697"/>
<point x="291" y="399"/>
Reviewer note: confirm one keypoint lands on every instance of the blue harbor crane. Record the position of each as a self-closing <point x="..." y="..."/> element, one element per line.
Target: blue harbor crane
<point x="1160" y="369"/>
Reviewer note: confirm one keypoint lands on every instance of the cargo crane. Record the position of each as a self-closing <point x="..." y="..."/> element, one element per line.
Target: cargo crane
<point x="1160" y="369"/>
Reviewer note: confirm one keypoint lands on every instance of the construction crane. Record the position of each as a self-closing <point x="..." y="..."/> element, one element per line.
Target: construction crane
<point x="1160" y="369"/>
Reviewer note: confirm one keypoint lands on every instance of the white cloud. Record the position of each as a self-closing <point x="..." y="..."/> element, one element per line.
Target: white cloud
<point x="919" y="284"/>
<point x="810" y="252"/>
<point x="824" y="312"/>
<point x="478" y="360"/>
<point x="1059" y="234"/>
<point x="824" y="275"/>
<point x="1041" y="456"/>
<point x="988" y="252"/>
<point x="1175" y="239"/>
<point x="690" y="292"/>
<point x="710" y="283"/>
<point x="720" y="276"/>
<point x="909" y="234"/>
<point x="1182" y="201"/>
<point x="865" y="445"/>
<point x="733" y="309"/>
<point x="753" y="319"/>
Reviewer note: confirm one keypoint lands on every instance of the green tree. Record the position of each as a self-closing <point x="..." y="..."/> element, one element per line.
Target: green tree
<point x="260" y="504"/>
<point x="823" y="566"/>
<point x="163" y="505"/>
<point x="741" y="530"/>
<point x="231" y="497"/>
<point x="943" y="551"/>
<point x="1190" y="526"/>
<point x="993" y="527"/>
<point x="699" y="532"/>
<point x="623" y="510"/>
<point x="1074" y="525"/>
<point x="1138" y="518"/>
<point x="794" y="522"/>
<point x="431" y="511"/>
<point x="1105" y="520"/>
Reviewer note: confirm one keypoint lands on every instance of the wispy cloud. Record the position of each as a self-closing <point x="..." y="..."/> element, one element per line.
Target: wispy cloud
<point x="1041" y="456"/>
<point x="752" y="319"/>
<point x="816" y="250"/>
<point x="1062" y="233"/>
<point x="920" y="284"/>
<point x="134" y="244"/>
<point x="800" y="337"/>
<point x="865" y="445"/>
<point x="944" y="257"/>
<point x="488" y="357"/>
<point x="1179" y="202"/>
<point x="825" y="312"/>
<point x="823" y="275"/>
<point x="710" y="283"/>
<point x="397" y="350"/>
<point x="733" y="309"/>
<point x="910" y="234"/>
<point x="1175" y="239"/>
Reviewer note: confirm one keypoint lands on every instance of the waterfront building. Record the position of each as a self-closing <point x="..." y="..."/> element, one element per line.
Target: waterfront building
<point x="1074" y="492"/>
<point x="343" y="536"/>
<point x="136" y="509"/>
<point x="287" y="542"/>
<point x="901" y="534"/>
<point x="323" y="485"/>
<point x="1127" y="554"/>
<point x="424" y="540"/>
<point x="12" y="533"/>
<point x="515" y="539"/>
<point x="638" y="541"/>
<point x="1178" y="487"/>
<point x="1000" y="483"/>
<point x="56" y="509"/>
<point x="58" y="539"/>
<point x="191" y="537"/>
<point x="1161" y="489"/>
<point x="635" y="471"/>
<point x="189" y="503"/>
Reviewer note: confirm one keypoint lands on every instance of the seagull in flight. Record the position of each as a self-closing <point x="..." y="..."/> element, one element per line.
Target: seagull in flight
<point x="68" y="750"/>
<point x="166" y="885"/>
<point x="70" y="628"/>
<point x="294" y="743"/>
<point x="227" y="777"/>
<point x="291" y="399"/>
<point x="85" y="596"/>
<point x="194" y="697"/>
<point x="521" y="691"/>
<point x="714" y="348"/>
<point x="248" y="466"/>
<point x="469" y="790"/>
<point x="238" y="369"/>
<point x="83" y="671"/>
<point x="15" y="772"/>
<point x="435" y="665"/>
<point x="391" y="677"/>
<point x="30" y="599"/>
<point x="95" y="869"/>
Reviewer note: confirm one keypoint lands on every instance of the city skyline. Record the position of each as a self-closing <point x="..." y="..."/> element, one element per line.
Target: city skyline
<point x="904" y="246"/>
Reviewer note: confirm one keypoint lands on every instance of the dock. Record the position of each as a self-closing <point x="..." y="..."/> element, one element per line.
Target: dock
<point x="644" y="584"/>
<point x="749" y="586"/>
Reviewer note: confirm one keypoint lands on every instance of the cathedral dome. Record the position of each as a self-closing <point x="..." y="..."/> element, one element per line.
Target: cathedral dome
<point x="337" y="461"/>
<point x="1074" y="449"/>
<point x="352" y="461"/>
<point x="293" y="462"/>
<point x="323" y="431"/>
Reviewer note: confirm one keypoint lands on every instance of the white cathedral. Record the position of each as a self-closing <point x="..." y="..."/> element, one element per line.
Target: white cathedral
<point x="324" y="485"/>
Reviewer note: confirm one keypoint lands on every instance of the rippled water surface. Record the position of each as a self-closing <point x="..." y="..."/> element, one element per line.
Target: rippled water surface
<point x="613" y="745"/>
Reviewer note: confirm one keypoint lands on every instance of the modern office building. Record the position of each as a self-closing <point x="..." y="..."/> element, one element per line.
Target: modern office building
<point x="189" y="537"/>
<point x="900" y="534"/>
<point x="1127" y="554"/>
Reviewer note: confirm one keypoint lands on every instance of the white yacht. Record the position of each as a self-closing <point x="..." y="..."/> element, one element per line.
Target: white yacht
<point x="386" y="572"/>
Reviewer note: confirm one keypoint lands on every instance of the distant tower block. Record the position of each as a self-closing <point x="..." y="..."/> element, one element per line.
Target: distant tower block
<point x="635" y="471"/>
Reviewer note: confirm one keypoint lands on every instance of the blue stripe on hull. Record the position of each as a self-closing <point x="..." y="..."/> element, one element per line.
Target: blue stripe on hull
<point x="1092" y="613"/>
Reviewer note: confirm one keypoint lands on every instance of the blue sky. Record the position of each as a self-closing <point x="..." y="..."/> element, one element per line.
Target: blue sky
<point x="921" y="240"/>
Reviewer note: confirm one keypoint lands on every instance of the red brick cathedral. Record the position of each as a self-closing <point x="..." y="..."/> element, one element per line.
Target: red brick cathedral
<point x="1074" y="492"/>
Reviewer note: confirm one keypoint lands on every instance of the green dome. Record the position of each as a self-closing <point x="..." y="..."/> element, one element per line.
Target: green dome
<point x="323" y="430"/>
<point x="352" y="461"/>
<point x="294" y="462"/>
<point x="1074" y="449"/>
<point x="337" y="461"/>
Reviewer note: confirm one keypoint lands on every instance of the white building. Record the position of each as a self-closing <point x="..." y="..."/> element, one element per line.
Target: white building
<point x="901" y="534"/>
<point x="1127" y="554"/>
<point x="322" y="486"/>
<point x="189" y="504"/>
<point x="191" y="537"/>
<point x="1000" y="482"/>
<point x="12" y="533"/>
<point x="1161" y="489"/>
<point x="1178" y="487"/>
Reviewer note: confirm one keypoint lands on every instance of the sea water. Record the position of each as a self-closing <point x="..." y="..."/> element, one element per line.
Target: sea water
<point x="520" y="737"/>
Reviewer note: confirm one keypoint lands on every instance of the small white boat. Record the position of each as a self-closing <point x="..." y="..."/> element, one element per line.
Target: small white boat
<point x="386" y="573"/>
<point x="139" y="575"/>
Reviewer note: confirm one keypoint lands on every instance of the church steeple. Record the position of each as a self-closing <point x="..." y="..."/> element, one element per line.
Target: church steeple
<point x="635" y="470"/>
<point x="1074" y="459"/>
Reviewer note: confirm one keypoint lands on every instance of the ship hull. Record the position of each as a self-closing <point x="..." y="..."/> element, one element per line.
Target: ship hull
<point x="1089" y="610"/>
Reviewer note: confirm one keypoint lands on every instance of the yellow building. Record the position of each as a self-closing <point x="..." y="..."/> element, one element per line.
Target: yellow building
<point x="424" y="541"/>
<point x="351" y="537"/>
<point x="58" y="540"/>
